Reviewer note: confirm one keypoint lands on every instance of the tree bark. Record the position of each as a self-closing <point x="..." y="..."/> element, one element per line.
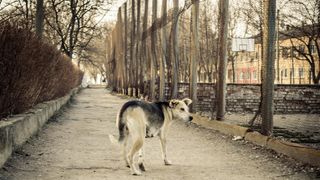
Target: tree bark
<point x="222" y="65"/>
<point x="195" y="54"/>
<point x="39" y="18"/>
<point x="164" y="51"/>
<point x="138" y="53"/>
<point x="144" y="51"/>
<point x="126" y="74"/>
<point x="153" y="68"/>
<point x="268" y="67"/>
<point x="132" y="48"/>
<point x="175" y="44"/>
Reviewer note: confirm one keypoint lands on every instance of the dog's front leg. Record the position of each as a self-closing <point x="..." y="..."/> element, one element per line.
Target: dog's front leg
<point x="163" y="142"/>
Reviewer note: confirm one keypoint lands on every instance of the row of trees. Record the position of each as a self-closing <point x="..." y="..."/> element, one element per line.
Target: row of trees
<point x="141" y="54"/>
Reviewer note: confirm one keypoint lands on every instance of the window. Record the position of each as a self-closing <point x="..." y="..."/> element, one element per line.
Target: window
<point x="312" y="48"/>
<point x="254" y="74"/>
<point x="301" y="50"/>
<point x="285" y="52"/>
<point x="285" y="73"/>
<point x="292" y="72"/>
<point x="300" y="72"/>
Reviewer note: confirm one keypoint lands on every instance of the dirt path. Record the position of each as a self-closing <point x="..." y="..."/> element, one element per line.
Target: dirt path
<point x="75" y="145"/>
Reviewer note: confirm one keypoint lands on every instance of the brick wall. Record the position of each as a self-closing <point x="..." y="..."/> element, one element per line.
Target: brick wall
<point x="246" y="97"/>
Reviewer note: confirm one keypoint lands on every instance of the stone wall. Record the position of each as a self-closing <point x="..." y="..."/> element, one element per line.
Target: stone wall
<point x="17" y="129"/>
<point x="246" y="97"/>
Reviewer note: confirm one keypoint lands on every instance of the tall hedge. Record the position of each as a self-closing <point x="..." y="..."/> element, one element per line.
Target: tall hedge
<point x="31" y="71"/>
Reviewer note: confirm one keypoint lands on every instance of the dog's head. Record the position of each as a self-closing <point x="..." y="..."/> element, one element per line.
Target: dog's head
<point x="180" y="109"/>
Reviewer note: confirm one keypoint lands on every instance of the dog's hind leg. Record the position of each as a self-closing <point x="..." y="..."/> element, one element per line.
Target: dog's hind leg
<point x="124" y="152"/>
<point x="141" y="159"/>
<point x="137" y="144"/>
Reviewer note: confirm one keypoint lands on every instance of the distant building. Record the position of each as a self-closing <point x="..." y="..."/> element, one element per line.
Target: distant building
<point x="289" y="66"/>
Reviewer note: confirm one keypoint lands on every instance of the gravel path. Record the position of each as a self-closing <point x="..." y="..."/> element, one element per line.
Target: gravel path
<point x="75" y="145"/>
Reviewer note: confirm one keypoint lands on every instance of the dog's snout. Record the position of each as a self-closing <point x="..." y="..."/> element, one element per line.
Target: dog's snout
<point x="190" y="118"/>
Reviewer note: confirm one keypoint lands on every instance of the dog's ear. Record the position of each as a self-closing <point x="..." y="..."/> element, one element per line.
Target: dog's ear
<point x="173" y="103"/>
<point x="187" y="101"/>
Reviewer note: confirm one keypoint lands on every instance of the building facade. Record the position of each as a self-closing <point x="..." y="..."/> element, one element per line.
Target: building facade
<point x="291" y="67"/>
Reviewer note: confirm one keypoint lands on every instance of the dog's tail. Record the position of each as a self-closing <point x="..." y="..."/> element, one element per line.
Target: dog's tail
<point x="113" y="140"/>
<point x="122" y="127"/>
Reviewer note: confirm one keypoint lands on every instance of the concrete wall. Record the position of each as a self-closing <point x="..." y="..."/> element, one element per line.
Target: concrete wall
<point x="246" y="97"/>
<point x="16" y="130"/>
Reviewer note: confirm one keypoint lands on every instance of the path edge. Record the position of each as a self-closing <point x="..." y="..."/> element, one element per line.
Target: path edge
<point x="17" y="129"/>
<point x="304" y="154"/>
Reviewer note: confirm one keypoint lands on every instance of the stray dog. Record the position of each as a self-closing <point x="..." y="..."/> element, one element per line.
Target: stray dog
<point x="139" y="119"/>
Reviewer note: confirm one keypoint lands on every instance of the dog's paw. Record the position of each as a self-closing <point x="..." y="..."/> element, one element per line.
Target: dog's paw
<point x="136" y="173"/>
<point x="141" y="167"/>
<point x="167" y="162"/>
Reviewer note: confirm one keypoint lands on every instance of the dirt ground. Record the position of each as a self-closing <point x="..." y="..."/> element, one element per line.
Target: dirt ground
<point x="75" y="145"/>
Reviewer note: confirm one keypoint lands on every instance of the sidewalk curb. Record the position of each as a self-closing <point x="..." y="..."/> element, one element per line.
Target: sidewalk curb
<point x="224" y="128"/>
<point x="299" y="152"/>
<point x="15" y="131"/>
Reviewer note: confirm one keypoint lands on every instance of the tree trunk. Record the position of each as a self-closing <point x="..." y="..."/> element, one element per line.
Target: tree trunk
<point x="195" y="54"/>
<point x="132" y="48"/>
<point x="126" y="74"/>
<point x="175" y="44"/>
<point x="138" y="53"/>
<point x="164" y="51"/>
<point x="119" y="50"/>
<point x="153" y="68"/>
<point x="39" y="18"/>
<point x="222" y="66"/>
<point x="144" y="51"/>
<point x="234" y="68"/>
<point x="268" y="66"/>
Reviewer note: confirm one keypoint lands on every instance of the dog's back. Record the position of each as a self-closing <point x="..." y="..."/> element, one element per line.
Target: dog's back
<point x="151" y="113"/>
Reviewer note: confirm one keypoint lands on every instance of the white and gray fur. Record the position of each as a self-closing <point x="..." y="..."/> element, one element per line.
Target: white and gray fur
<point x="140" y="119"/>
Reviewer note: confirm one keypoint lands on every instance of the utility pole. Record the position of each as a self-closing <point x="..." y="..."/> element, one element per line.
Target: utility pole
<point x="268" y="66"/>
<point x="222" y="64"/>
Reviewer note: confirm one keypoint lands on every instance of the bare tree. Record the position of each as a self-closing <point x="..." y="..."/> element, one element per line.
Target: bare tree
<point x="138" y="52"/>
<point x="144" y="49"/>
<point x="221" y="85"/>
<point x="163" y="59"/>
<point x="175" y="52"/>
<point x="233" y="22"/>
<point x="153" y="67"/>
<point x="195" y="55"/>
<point x="126" y="62"/>
<point x="39" y="18"/>
<point x="71" y="19"/>
<point x="268" y="66"/>
<point x="304" y="29"/>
